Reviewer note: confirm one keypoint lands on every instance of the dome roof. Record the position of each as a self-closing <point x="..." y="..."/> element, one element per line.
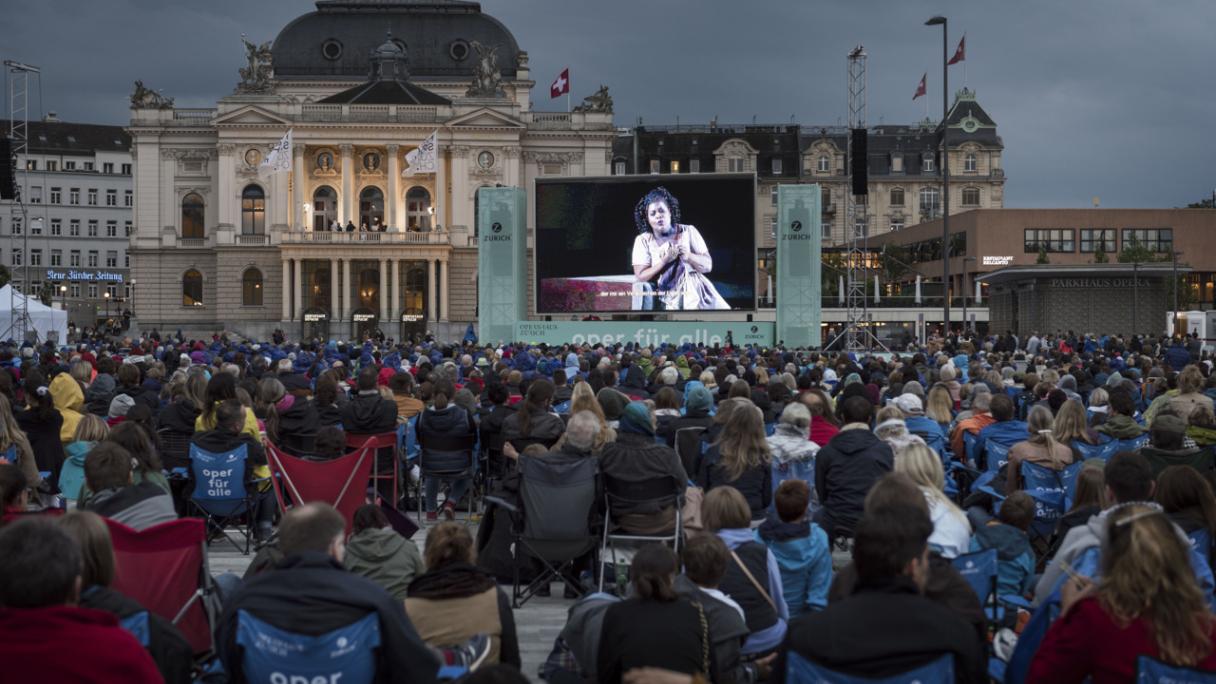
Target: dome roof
<point x="339" y="40"/>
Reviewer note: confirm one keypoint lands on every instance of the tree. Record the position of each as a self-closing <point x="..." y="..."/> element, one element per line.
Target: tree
<point x="1100" y="256"/>
<point x="893" y="262"/>
<point x="1134" y="252"/>
<point x="1203" y="203"/>
<point x="1042" y="258"/>
<point x="46" y="294"/>
<point x="5" y="275"/>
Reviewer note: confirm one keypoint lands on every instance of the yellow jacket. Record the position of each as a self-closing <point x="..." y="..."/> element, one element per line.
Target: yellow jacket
<point x="69" y="400"/>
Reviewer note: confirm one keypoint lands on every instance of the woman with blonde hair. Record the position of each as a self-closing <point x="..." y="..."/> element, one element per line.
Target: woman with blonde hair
<point x="1099" y="407"/>
<point x="890" y="427"/>
<point x="1071" y="426"/>
<point x="583" y="399"/>
<point x="89" y="432"/>
<point x="939" y="406"/>
<point x="951" y="531"/>
<point x="740" y="458"/>
<point x="15" y="446"/>
<point x="1041" y="448"/>
<point x="1190" y="392"/>
<point x="1147" y="603"/>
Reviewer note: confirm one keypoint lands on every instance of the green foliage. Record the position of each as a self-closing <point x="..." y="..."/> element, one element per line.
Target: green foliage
<point x="1134" y="252"/>
<point x="1100" y="256"/>
<point x="46" y="294"/>
<point x="5" y="275"/>
<point x="1042" y="258"/>
<point x="893" y="262"/>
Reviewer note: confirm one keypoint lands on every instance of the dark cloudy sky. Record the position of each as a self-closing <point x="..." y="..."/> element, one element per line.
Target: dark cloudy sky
<point x="1107" y="98"/>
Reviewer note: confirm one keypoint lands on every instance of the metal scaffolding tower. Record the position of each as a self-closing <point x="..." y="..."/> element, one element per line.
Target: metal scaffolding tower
<point x="19" y="125"/>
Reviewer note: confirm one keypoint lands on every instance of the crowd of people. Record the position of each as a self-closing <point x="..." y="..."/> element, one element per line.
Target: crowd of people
<point x="789" y="509"/>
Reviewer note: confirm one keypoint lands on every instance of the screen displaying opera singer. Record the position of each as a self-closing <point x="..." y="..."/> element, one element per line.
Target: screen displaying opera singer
<point x="645" y="243"/>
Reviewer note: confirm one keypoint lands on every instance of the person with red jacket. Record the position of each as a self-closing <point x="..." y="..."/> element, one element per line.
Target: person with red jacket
<point x="40" y="582"/>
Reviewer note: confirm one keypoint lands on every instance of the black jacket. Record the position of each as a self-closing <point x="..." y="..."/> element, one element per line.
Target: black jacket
<point x="642" y="633"/>
<point x="439" y="434"/>
<point x="542" y="427"/>
<point x="299" y="419"/>
<point x="328" y="415"/>
<point x="178" y="417"/>
<point x="700" y="419"/>
<point x="755" y="484"/>
<point x="310" y="594"/>
<point x="173" y="654"/>
<point x="884" y="629"/>
<point x="845" y="469"/>
<point x="219" y="441"/>
<point x="44" y="439"/>
<point x="369" y="414"/>
<point x="636" y="458"/>
<point x="100" y="393"/>
<point x="141" y="395"/>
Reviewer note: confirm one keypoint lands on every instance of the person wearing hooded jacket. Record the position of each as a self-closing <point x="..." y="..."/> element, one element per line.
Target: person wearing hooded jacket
<point x="634" y="457"/>
<point x="99" y="394"/>
<point x="800" y="547"/>
<point x="368" y="413"/>
<point x="69" y="400"/>
<point x="697" y="403"/>
<point x="377" y="552"/>
<point x="847" y="467"/>
<point x="436" y="428"/>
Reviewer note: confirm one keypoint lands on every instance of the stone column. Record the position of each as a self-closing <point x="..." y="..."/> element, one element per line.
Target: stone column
<point x="299" y="290"/>
<point x="430" y="290"/>
<point x="229" y="197"/>
<point x="394" y="266"/>
<point x="346" y="289"/>
<point x="392" y="204"/>
<point x="348" y="204"/>
<point x="299" y="195"/>
<point x="383" y="286"/>
<point x="333" y="289"/>
<point x="445" y="283"/>
<point x="286" y="290"/>
<point x="440" y="200"/>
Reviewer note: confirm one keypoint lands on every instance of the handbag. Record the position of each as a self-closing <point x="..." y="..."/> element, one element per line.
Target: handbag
<point x="755" y="584"/>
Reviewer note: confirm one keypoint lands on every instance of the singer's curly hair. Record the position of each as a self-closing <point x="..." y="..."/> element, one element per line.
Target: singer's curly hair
<point x="659" y="194"/>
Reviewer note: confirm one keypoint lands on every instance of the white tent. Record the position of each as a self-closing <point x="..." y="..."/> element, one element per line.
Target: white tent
<point x="43" y="318"/>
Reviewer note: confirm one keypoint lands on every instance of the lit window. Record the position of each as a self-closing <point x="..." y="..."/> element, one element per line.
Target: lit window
<point x="192" y="288"/>
<point x="251" y="288"/>
<point x="675" y="166"/>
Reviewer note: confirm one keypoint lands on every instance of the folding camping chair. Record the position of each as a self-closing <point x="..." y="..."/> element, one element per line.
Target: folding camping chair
<point x="382" y="443"/>
<point x="426" y="467"/>
<point x="338" y="482"/>
<point x="799" y="670"/>
<point x="689" y="447"/>
<point x="220" y="493"/>
<point x="980" y="569"/>
<point x="649" y="496"/>
<point x="164" y="567"/>
<point x="270" y="654"/>
<point x="1149" y="670"/>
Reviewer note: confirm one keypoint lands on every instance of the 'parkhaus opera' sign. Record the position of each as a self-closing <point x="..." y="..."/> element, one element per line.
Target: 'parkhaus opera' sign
<point x="84" y="276"/>
<point x="1096" y="282"/>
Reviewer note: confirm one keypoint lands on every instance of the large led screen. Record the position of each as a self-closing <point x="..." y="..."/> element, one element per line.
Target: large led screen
<point x="645" y="244"/>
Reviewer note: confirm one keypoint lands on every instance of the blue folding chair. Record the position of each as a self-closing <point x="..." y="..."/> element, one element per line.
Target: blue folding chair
<point x="137" y="625"/>
<point x="799" y="670"/>
<point x="980" y="569"/>
<point x="220" y="493"/>
<point x="1049" y="489"/>
<point x="562" y="408"/>
<point x="1132" y="444"/>
<point x="1103" y="450"/>
<point x="1149" y="670"/>
<point x="1201" y="543"/>
<point x="770" y="429"/>
<point x="346" y="655"/>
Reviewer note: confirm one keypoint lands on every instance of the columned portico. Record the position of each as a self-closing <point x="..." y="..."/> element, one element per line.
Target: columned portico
<point x="430" y="290"/>
<point x="333" y="288"/>
<point x="287" y="314"/>
<point x="299" y="289"/>
<point x="348" y="203"/>
<point x="301" y="197"/>
<point x="394" y="218"/>
<point x="345" y="289"/>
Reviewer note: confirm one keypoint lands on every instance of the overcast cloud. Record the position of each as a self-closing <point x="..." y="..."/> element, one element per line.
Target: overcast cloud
<point x="1107" y="98"/>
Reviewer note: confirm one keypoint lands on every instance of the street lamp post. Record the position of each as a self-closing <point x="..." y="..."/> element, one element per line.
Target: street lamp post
<point x="106" y="296"/>
<point x="934" y="21"/>
<point x="964" y="289"/>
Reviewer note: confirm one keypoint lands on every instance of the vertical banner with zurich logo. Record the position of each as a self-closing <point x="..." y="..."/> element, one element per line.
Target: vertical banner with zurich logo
<point x="799" y="243"/>
<point x="501" y="243"/>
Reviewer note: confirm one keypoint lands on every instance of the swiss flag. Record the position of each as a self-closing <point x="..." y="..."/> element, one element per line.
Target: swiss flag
<point x="960" y="53"/>
<point x="562" y="85"/>
<point x="920" y="89"/>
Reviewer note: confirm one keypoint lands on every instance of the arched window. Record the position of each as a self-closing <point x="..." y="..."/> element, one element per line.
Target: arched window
<point x="251" y="288"/>
<point x="192" y="216"/>
<point x="418" y="209"/>
<point x="192" y="288"/>
<point x="253" y="210"/>
<point x="971" y="197"/>
<point x="324" y="207"/>
<point x="824" y="164"/>
<point x="930" y="203"/>
<point x="897" y="197"/>
<point x="371" y="208"/>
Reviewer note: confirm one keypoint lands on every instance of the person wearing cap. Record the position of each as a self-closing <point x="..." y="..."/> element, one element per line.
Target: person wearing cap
<point x="918" y="424"/>
<point x="119" y="406"/>
<point x="1168" y="446"/>
<point x="634" y="457"/>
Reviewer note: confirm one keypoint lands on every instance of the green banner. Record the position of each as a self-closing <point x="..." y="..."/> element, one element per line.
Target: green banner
<point x="799" y="245"/>
<point x="646" y="333"/>
<point x="501" y="269"/>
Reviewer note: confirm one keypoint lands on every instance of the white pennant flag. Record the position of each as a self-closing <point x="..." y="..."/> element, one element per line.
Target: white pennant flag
<point x="423" y="158"/>
<point x="279" y="158"/>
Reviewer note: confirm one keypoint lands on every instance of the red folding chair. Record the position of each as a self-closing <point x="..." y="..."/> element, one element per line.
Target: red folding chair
<point x="165" y="568"/>
<point x="339" y="482"/>
<point x="384" y="440"/>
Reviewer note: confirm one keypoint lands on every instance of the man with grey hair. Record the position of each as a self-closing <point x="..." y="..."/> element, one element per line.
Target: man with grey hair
<point x="669" y="376"/>
<point x="581" y="434"/>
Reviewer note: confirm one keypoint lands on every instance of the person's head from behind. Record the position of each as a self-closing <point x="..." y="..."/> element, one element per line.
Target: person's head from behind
<point x="330" y="442"/>
<point x="893" y="541"/>
<point x="449" y="543"/>
<point x="705" y="557"/>
<point x="108" y="467"/>
<point x="1146" y="572"/>
<point x="368" y="516"/>
<point x="1168" y="432"/>
<point x="1182" y="488"/>
<point x="230" y="416"/>
<point x="498" y="393"/>
<point x="1129" y="477"/>
<point x="653" y="572"/>
<point x="39" y="565"/>
<point x="583" y="430"/>
<point x="1091" y="486"/>
<point x="1190" y="380"/>
<point x="91" y="428"/>
<point x="792" y="499"/>
<point x="313" y="527"/>
<point x="797" y="417"/>
<point x="1017" y="510"/>
<point x="1122" y="402"/>
<point x="666" y="398"/>
<point x="922" y="465"/>
<point x="366" y="382"/>
<point x="856" y="409"/>
<point x="1001" y="407"/>
<point x="96" y="548"/>
<point x="725" y="508"/>
<point x="138" y="442"/>
<point x="401" y="384"/>
<point x="14" y="488"/>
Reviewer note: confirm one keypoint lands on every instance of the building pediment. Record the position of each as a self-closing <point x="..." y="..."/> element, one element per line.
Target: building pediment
<point x="251" y="115"/>
<point x="736" y="147"/>
<point x="485" y="118"/>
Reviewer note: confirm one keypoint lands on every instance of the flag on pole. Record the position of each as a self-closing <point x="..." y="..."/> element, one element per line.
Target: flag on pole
<point x="279" y="159"/>
<point x="920" y="89"/>
<point x="422" y="159"/>
<point x="960" y="53"/>
<point x="561" y="86"/>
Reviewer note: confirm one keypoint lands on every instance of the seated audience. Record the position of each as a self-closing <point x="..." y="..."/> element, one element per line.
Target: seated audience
<point x="377" y="552"/>
<point x="801" y="548"/>
<point x="438" y="428"/>
<point x="740" y="458"/>
<point x="116" y="495"/>
<point x="1041" y="448"/>
<point x="1007" y="534"/>
<point x="847" y="467"/>
<point x="635" y="457"/>
<point x="1168" y="446"/>
<point x="951" y="530"/>
<point x="792" y="452"/>
<point x="704" y="558"/>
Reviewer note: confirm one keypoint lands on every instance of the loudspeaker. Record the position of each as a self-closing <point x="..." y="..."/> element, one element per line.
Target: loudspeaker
<point x="857" y="160"/>
<point x="8" y="185"/>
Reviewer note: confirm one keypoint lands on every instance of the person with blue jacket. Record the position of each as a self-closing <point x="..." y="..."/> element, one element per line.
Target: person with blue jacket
<point x="919" y="424"/>
<point x="1007" y="534"/>
<point x="801" y="549"/>
<point x="1006" y="431"/>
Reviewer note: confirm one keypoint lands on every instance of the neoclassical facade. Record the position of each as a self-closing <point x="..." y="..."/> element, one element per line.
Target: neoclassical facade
<point x="219" y="243"/>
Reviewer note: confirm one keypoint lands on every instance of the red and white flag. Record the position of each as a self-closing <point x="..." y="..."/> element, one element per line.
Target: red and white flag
<point x="562" y="85"/>
<point x="960" y="53"/>
<point x="920" y="89"/>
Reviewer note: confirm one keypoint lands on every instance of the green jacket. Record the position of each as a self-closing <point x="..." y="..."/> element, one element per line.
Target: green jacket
<point x="1203" y="436"/>
<point x="1121" y="427"/>
<point x="384" y="557"/>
